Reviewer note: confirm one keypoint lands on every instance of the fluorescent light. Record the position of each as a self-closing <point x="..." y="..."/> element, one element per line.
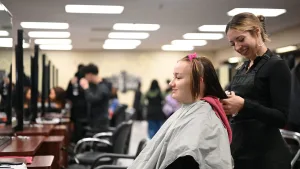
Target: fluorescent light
<point x="26" y="45"/>
<point x="128" y="35"/>
<point x="101" y="9"/>
<point x="8" y="43"/>
<point x="3" y="33"/>
<point x="267" y="12"/>
<point x="53" y="41"/>
<point x="189" y="42"/>
<point x="234" y="59"/>
<point x="119" y="46"/>
<point x="44" y="25"/>
<point x="56" y="47"/>
<point x="286" y="49"/>
<point x="122" y="42"/>
<point x="39" y="34"/>
<point x="2" y="7"/>
<point x="207" y="36"/>
<point x="212" y="28"/>
<point x="177" y="48"/>
<point x="136" y="27"/>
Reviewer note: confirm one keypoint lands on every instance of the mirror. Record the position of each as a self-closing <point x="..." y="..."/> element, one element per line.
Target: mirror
<point x="28" y="55"/>
<point x="7" y="68"/>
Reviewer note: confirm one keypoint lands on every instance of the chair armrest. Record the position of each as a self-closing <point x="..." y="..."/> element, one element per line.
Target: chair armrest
<point x="86" y="140"/>
<point x="103" y="134"/>
<point x="111" y="167"/>
<point x="294" y="136"/>
<point x="113" y="156"/>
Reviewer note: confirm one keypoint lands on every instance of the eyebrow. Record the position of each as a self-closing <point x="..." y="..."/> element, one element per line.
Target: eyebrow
<point x="236" y="38"/>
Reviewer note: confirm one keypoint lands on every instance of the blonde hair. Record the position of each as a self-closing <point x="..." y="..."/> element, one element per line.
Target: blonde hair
<point x="249" y="22"/>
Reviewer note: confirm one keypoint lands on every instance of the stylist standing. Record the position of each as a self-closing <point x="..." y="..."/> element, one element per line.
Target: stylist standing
<point x="258" y="98"/>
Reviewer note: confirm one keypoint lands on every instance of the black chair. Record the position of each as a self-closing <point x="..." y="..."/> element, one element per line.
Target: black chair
<point x="103" y="142"/>
<point x="119" y="115"/>
<point x="295" y="149"/>
<point x="115" y="157"/>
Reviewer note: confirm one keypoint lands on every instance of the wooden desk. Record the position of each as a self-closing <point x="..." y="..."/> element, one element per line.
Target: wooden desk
<point x="22" y="147"/>
<point x="52" y="145"/>
<point x="36" y="131"/>
<point x="6" y="131"/>
<point x="41" y="162"/>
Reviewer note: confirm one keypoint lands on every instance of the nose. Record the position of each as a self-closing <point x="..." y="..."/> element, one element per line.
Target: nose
<point x="171" y="84"/>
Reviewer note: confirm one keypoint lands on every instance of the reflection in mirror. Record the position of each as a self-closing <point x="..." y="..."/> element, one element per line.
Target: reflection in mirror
<point x="7" y="76"/>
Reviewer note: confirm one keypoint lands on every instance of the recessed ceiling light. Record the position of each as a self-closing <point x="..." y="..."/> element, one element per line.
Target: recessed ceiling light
<point x="8" y="43"/>
<point x="100" y="9"/>
<point x="267" y="12"/>
<point x="56" y="47"/>
<point x="118" y="46"/>
<point x="136" y="27"/>
<point x="40" y="34"/>
<point x="44" y="25"/>
<point x="286" y="49"/>
<point x="206" y="36"/>
<point x="212" y="28"/>
<point x="128" y="35"/>
<point x="189" y="42"/>
<point x="2" y="7"/>
<point x="122" y="42"/>
<point x="234" y="59"/>
<point x="3" y="33"/>
<point x="53" y="41"/>
<point x="177" y="48"/>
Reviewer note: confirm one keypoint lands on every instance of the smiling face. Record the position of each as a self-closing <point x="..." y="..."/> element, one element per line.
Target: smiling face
<point x="181" y="83"/>
<point x="243" y="42"/>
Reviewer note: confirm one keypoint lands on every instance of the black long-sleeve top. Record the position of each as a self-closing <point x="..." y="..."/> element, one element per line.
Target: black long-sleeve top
<point x="97" y="96"/>
<point x="272" y="90"/>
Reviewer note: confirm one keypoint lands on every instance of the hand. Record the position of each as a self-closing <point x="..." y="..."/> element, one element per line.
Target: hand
<point x="74" y="80"/>
<point x="233" y="104"/>
<point x="84" y="83"/>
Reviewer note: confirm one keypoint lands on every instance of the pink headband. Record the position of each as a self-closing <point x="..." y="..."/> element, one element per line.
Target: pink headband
<point x="192" y="56"/>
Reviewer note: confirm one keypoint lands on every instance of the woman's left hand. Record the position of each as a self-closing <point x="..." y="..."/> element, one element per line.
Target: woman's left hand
<point x="233" y="104"/>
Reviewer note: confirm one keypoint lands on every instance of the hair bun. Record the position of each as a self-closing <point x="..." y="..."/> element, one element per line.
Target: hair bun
<point x="261" y="18"/>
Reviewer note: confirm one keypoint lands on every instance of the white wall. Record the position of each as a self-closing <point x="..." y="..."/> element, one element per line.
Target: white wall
<point x="147" y="65"/>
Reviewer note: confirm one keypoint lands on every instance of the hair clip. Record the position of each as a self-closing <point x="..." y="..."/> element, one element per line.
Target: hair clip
<point x="192" y="56"/>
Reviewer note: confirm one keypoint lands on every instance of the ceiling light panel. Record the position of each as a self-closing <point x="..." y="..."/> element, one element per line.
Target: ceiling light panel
<point x="189" y="42"/>
<point x="286" y="49"/>
<point x="212" y="28"/>
<point x="56" y="47"/>
<point x="4" y="33"/>
<point x="128" y="35"/>
<point x="204" y="36"/>
<point x="177" y="48"/>
<point x="122" y="42"/>
<point x="44" y="25"/>
<point x="136" y="27"/>
<point x="94" y="9"/>
<point x="53" y="41"/>
<point x="267" y="12"/>
<point x="41" y="34"/>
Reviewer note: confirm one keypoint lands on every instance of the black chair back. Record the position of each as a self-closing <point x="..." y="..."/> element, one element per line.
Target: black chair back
<point x="120" y="137"/>
<point x="141" y="146"/>
<point x="119" y="115"/>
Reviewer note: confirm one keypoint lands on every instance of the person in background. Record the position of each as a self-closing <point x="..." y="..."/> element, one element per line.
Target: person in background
<point x="97" y="95"/>
<point x="113" y="102"/>
<point x="57" y="98"/>
<point x="75" y="94"/>
<point x="155" y="115"/>
<point x="198" y="135"/>
<point x="137" y="103"/>
<point x="259" y="98"/>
